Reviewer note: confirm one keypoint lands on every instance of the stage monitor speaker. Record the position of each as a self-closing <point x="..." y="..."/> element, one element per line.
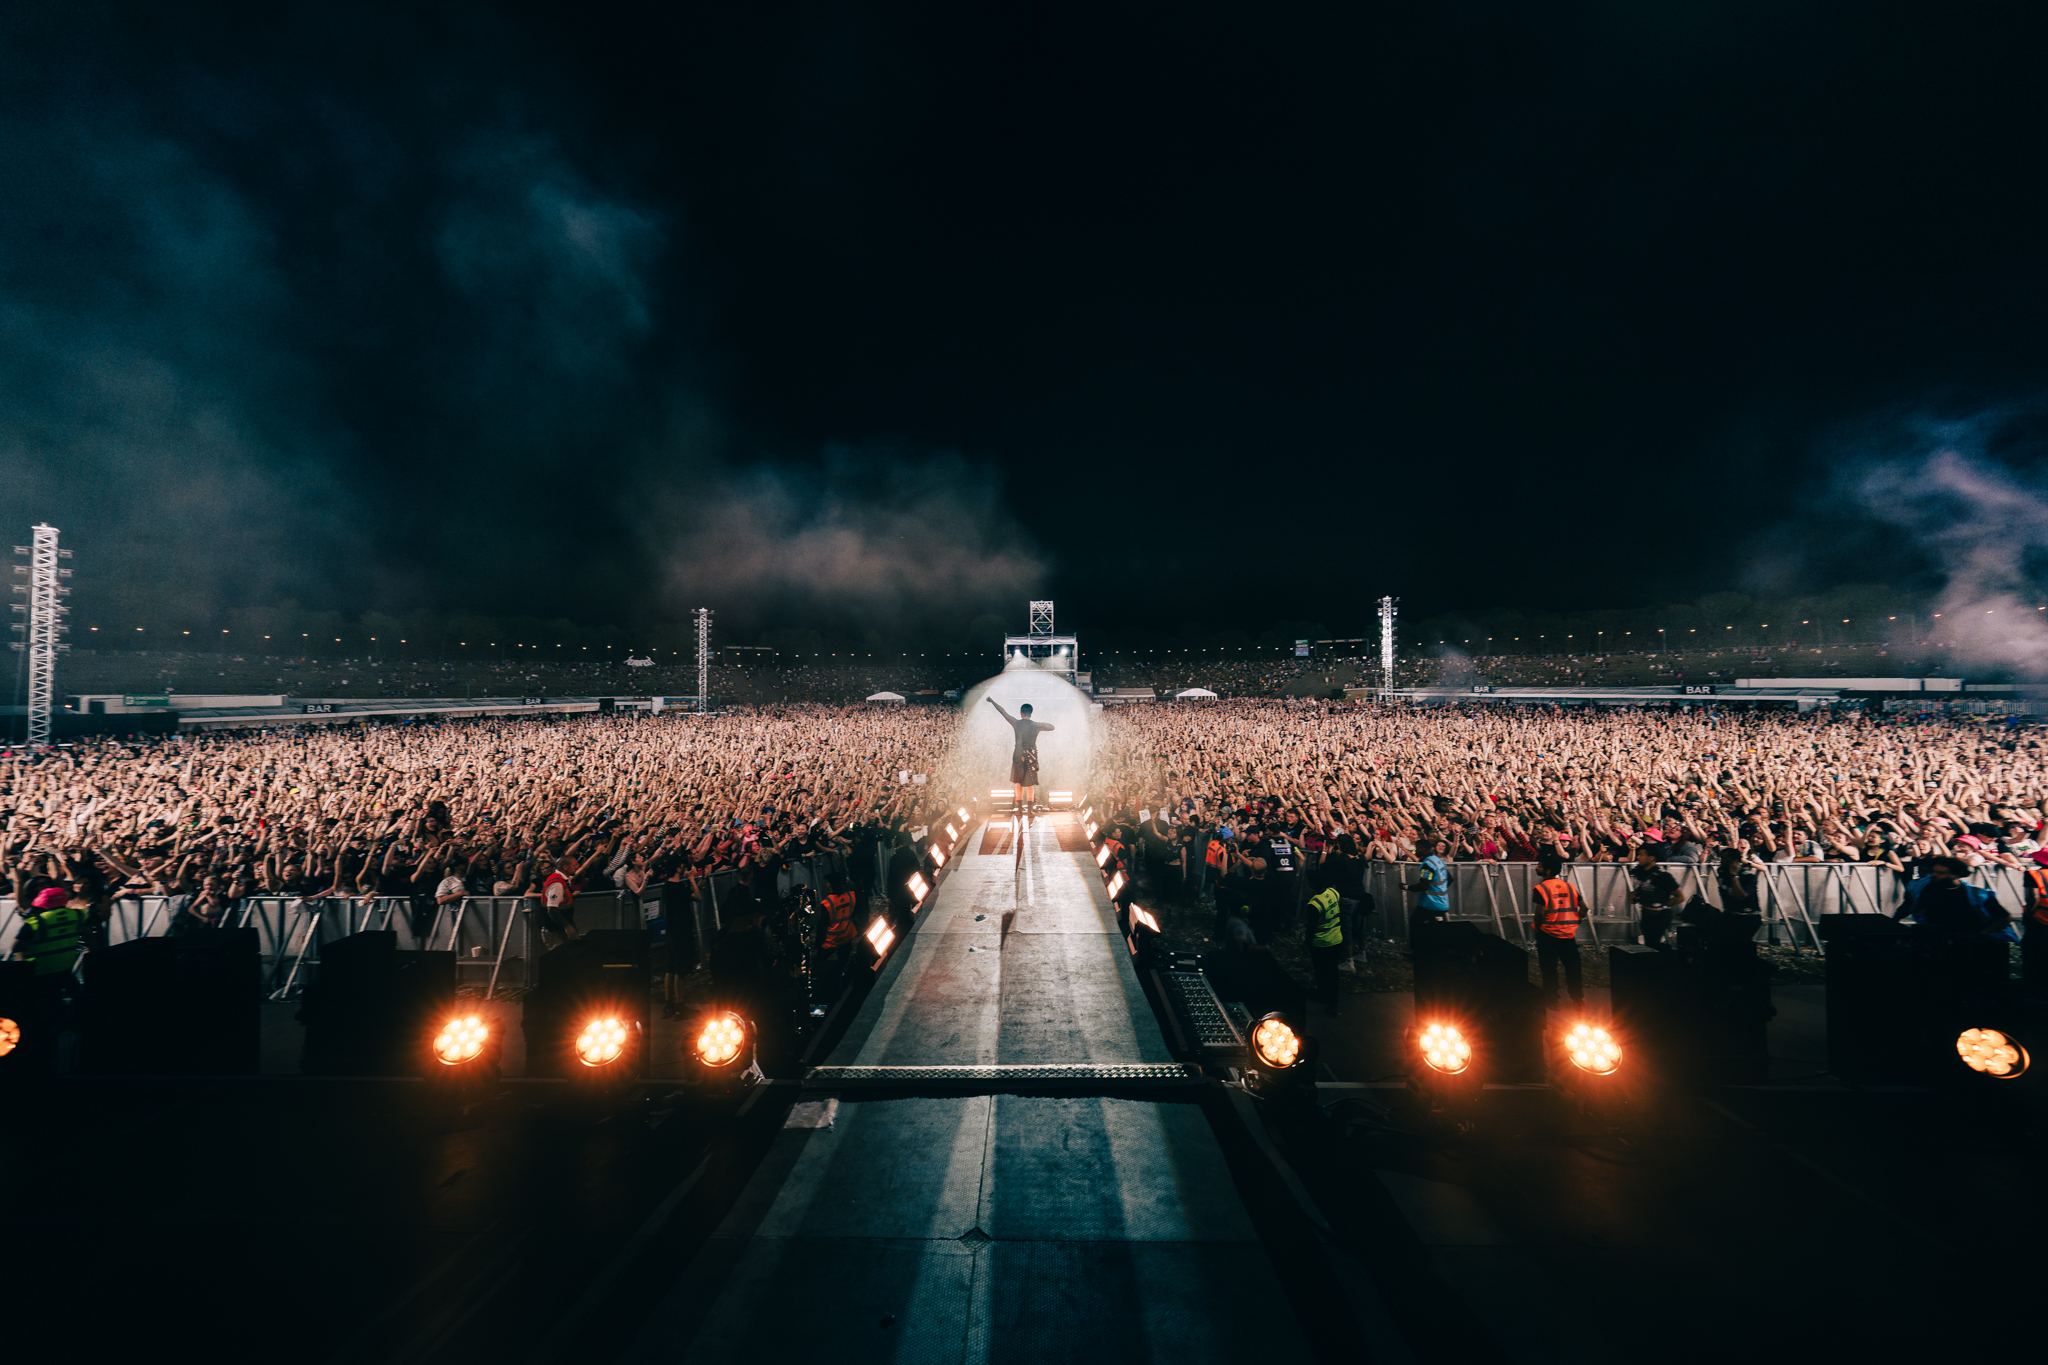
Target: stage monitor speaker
<point x="1480" y="983"/>
<point x="1897" y="998"/>
<point x="604" y="971"/>
<point x="1694" y="1017"/>
<point x="371" y="1010"/>
<point x="189" y="1004"/>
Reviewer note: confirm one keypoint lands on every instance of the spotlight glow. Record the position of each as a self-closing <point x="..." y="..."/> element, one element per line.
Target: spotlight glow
<point x="721" y="1039"/>
<point x="460" y="1040"/>
<point x="880" y="936"/>
<point x="1988" y="1051"/>
<point x="601" y="1042"/>
<point x="938" y="856"/>
<point x="1445" y="1049"/>
<point x="1592" y="1049"/>
<point x="10" y="1036"/>
<point x="1140" y="915"/>
<point x="1102" y="856"/>
<point x="952" y="833"/>
<point x="1275" y="1044"/>
<point x="1116" y="884"/>
<point x="919" y="887"/>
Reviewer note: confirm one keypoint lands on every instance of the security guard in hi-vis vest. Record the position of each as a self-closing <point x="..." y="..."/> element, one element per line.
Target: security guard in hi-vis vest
<point x="49" y="935"/>
<point x="1559" y="910"/>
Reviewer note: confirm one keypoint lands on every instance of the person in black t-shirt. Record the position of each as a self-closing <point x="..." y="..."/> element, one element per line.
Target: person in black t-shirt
<point x="1657" y="896"/>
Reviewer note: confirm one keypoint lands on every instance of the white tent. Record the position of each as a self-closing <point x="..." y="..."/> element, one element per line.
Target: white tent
<point x="887" y="696"/>
<point x="1194" y="692"/>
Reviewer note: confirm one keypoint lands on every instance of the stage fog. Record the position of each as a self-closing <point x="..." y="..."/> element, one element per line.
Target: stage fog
<point x="980" y="760"/>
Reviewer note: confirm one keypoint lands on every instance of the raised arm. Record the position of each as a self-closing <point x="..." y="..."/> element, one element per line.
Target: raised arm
<point x="999" y="710"/>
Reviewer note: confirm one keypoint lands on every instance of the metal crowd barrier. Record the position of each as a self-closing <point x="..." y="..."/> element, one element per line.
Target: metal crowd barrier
<point x="1793" y="895"/>
<point x="496" y="939"/>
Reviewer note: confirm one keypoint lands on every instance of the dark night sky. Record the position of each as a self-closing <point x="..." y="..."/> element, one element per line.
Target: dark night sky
<point x="891" y="314"/>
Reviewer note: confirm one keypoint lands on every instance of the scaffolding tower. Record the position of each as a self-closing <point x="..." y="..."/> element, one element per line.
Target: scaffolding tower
<point x="703" y="658"/>
<point x="1388" y="611"/>
<point x="45" y="623"/>
<point x="1041" y="618"/>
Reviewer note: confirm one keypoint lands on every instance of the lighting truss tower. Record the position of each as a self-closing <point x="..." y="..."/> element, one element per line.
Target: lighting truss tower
<point x="1388" y="611"/>
<point x="703" y="658"/>
<point x="45" y="623"/>
<point x="1041" y="618"/>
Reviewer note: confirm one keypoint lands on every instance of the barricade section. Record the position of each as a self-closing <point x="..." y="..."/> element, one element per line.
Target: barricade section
<point x="1794" y="896"/>
<point x="495" y="938"/>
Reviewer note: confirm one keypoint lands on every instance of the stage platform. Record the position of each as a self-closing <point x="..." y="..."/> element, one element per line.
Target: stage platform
<point x="1000" y="1160"/>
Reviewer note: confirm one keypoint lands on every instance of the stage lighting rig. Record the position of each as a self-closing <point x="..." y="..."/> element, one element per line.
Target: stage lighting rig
<point x="880" y="937"/>
<point x="1593" y="1050"/>
<point x="602" y="1041"/>
<point x="1990" y="1052"/>
<point x="1448" y="1075"/>
<point x="461" y="1040"/>
<point x="1284" y="1060"/>
<point x="724" y="1051"/>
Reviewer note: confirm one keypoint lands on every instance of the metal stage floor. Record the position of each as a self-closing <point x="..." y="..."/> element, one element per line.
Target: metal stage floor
<point x="938" y="1215"/>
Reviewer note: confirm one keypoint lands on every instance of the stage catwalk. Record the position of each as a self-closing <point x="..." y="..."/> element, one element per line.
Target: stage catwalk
<point x="942" y="1215"/>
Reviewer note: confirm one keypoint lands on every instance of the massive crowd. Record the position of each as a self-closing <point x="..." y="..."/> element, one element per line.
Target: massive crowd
<point x="488" y="807"/>
<point x="499" y="804"/>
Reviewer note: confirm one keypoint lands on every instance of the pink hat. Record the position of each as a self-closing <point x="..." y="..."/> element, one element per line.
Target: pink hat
<point x="2041" y="857"/>
<point x="1654" y="836"/>
<point x="49" y="896"/>
<point x="1972" y="840"/>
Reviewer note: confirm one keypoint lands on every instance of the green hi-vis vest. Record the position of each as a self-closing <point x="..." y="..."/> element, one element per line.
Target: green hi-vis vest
<point x="1325" y="918"/>
<point x="49" y="938"/>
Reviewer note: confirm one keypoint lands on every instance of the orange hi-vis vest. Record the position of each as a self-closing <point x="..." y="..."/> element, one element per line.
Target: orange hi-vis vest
<point x="1558" y="907"/>
<point x="838" y="919"/>
<point x="1116" y="852"/>
<point x="1218" y="856"/>
<point x="2037" y="894"/>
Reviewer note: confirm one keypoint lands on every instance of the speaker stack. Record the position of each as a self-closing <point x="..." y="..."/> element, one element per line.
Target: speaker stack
<point x="372" y="1010"/>
<point x="189" y="1004"/>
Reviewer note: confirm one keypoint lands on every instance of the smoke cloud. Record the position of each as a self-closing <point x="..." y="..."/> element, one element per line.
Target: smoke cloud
<point x="876" y="538"/>
<point x="1985" y="526"/>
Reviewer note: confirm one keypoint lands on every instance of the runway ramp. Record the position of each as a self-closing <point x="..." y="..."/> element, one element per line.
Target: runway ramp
<point x="945" y="1216"/>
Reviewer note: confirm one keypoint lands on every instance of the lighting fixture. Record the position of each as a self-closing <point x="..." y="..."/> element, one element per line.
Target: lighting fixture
<point x="1592" y="1049"/>
<point x="1445" y="1049"/>
<point x="10" y="1036"/>
<point x="1988" y="1051"/>
<point x="919" y="887"/>
<point x="460" y="1040"/>
<point x="601" y="1042"/>
<point x="1140" y="915"/>
<point x="721" y="1040"/>
<point x="880" y="936"/>
<point x="1116" y="884"/>
<point x="938" y="856"/>
<point x="1275" y="1044"/>
<point x="1102" y="856"/>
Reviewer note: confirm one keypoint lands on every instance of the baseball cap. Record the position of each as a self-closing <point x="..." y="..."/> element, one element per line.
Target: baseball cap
<point x="49" y="896"/>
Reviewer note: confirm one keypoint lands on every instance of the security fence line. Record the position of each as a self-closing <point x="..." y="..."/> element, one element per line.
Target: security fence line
<point x="495" y="939"/>
<point x="1793" y="896"/>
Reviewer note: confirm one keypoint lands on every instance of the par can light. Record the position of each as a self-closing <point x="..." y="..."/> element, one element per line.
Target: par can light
<point x="1592" y="1049"/>
<point x="1991" y="1053"/>
<point x="1102" y="856"/>
<point x="721" y="1040"/>
<point x="938" y="856"/>
<point x="919" y="887"/>
<point x="461" y="1040"/>
<point x="1445" y="1049"/>
<point x="10" y="1036"/>
<point x="879" y="937"/>
<point x="1141" y="917"/>
<point x="601" y="1042"/>
<point x="1275" y="1044"/>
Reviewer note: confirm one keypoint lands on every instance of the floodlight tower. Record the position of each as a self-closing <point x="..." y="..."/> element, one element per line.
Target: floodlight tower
<point x="45" y="623"/>
<point x="703" y="658"/>
<point x="1388" y="611"/>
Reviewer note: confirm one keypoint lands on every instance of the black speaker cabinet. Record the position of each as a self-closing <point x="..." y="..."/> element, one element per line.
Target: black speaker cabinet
<point x="601" y="974"/>
<point x="190" y="1004"/>
<point x="372" y="1010"/>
